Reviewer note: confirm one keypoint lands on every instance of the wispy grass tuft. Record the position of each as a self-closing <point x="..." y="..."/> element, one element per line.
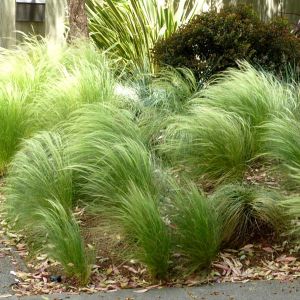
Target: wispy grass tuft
<point x="120" y="181"/>
<point x="246" y="212"/>
<point x="211" y="143"/>
<point x="172" y="89"/>
<point x="25" y="73"/>
<point x="42" y="83"/>
<point x="84" y="83"/>
<point x="38" y="172"/>
<point x="253" y="94"/>
<point x="282" y="143"/>
<point x="63" y="241"/>
<point x="15" y="123"/>
<point x="93" y="133"/>
<point x="162" y="96"/>
<point x="196" y="228"/>
<point x="94" y="127"/>
<point x="39" y="199"/>
<point x="144" y="229"/>
<point x="121" y="164"/>
<point x="291" y="208"/>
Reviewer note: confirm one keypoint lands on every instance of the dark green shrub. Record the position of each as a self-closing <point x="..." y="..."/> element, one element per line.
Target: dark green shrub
<point x="213" y="41"/>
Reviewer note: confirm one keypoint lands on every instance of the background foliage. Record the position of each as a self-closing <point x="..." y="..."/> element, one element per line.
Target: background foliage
<point x="214" y="41"/>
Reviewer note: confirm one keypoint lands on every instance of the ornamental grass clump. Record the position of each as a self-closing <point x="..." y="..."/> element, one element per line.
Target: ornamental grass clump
<point x="31" y="66"/>
<point x="144" y="229"/>
<point x="96" y="132"/>
<point x="254" y="95"/>
<point x="123" y="187"/>
<point x="25" y="74"/>
<point x="291" y="208"/>
<point x="108" y="153"/>
<point x="282" y="143"/>
<point x="161" y="97"/>
<point x="39" y="199"/>
<point x="120" y="181"/>
<point x="15" y="123"/>
<point x="172" y="89"/>
<point x="92" y="128"/>
<point x="85" y="83"/>
<point x="246" y="212"/>
<point x="38" y="173"/>
<point x="210" y="143"/>
<point x="42" y="84"/>
<point x="197" y="229"/>
<point x="119" y="165"/>
<point x="64" y="242"/>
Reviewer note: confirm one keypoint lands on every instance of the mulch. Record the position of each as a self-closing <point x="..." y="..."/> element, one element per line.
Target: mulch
<point x="262" y="260"/>
<point x="257" y="261"/>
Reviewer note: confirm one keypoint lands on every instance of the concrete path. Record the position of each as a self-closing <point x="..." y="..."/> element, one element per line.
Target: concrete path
<point x="259" y="290"/>
<point x="6" y="279"/>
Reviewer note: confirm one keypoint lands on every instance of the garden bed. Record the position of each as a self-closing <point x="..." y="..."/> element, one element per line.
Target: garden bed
<point x="260" y="261"/>
<point x="172" y="184"/>
<point x="267" y="258"/>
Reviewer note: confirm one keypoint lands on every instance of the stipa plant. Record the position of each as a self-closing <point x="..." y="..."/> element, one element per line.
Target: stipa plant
<point x="152" y="122"/>
<point x="15" y="123"/>
<point x="160" y="97"/>
<point x="120" y="180"/>
<point x="39" y="199"/>
<point x="107" y="152"/>
<point x="119" y="165"/>
<point x="246" y="211"/>
<point x="82" y="53"/>
<point x="131" y="28"/>
<point x="42" y="83"/>
<point x="93" y="127"/>
<point x="282" y="141"/>
<point x="291" y="208"/>
<point x="253" y="94"/>
<point x="31" y="66"/>
<point x="26" y="73"/>
<point x="172" y="89"/>
<point x="144" y="229"/>
<point x="38" y="173"/>
<point x="196" y="228"/>
<point x="24" y="77"/>
<point x="63" y="241"/>
<point x="85" y="83"/>
<point x="211" y="143"/>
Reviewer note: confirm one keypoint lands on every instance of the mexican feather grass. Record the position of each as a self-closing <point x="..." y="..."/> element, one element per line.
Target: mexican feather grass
<point x="39" y="200"/>
<point x="246" y="211"/>
<point x="211" y="143"/>
<point x="197" y="230"/>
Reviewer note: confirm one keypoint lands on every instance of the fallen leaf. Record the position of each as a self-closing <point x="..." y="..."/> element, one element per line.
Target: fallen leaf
<point x="147" y="289"/>
<point x="286" y="259"/>
<point x="268" y="249"/>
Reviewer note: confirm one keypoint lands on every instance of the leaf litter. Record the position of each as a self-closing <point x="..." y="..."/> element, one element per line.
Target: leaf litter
<point x="34" y="275"/>
<point x="251" y="262"/>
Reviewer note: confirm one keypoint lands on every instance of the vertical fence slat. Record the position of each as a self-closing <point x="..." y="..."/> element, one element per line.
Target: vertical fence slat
<point x="55" y="19"/>
<point x="7" y="23"/>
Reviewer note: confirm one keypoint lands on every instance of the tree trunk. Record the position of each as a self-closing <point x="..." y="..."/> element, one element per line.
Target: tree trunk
<point x="77" y="20"/>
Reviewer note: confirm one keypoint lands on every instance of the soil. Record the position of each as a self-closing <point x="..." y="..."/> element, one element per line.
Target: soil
<point x="264" y="259"/>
